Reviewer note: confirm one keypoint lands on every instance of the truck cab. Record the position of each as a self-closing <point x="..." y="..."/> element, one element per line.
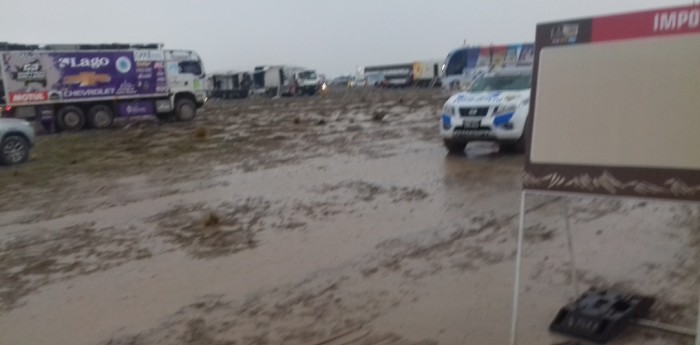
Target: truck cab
<point x="186" y="79"/>
<point x="494" y="108"/>
<point x="308" y="82"/>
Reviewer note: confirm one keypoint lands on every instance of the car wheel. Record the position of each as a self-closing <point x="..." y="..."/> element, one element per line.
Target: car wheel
<point x="14" y="149"/>
<point x="185" y="109"/>
<point x="455" y="147"/>
<point x="100" y="116"/>
<point x="71" y="119"/>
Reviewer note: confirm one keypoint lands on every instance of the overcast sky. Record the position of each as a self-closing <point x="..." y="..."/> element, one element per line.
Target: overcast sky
<point x="332" y="36"/>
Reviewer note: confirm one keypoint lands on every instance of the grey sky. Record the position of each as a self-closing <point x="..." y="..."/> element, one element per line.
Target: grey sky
<point x="333" y="36"/>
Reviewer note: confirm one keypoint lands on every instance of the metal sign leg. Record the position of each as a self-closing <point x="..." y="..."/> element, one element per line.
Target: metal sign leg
<point x="518" y="263"/>
<point x="569" y="239"/>
<point x="697" y="331"/>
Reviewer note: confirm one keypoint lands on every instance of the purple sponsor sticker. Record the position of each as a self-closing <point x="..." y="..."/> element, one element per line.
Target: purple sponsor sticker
<point x="136" y="108"/>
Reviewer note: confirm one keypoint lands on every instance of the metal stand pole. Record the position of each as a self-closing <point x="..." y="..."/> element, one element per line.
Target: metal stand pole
<point x="518" y="263"/>
<point x="697" y="332"/>
<point x="569" y="239"/>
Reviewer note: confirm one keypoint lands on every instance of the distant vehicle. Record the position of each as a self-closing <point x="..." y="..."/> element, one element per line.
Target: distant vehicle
<point x="283" y="80"/>
<point x="358" y="82"/>
<point x="231" y="85"/>
<point x="375" y="79"/>
<point x="427" y="73"/>
<point x="369" y="80"/>
<point x="495" y="108"/>
<point x="88" y="85"/>
<point x="464" y="65"/>
<point x="341" y="81"/>
<point x="395" y="76"/>
<point x="16" y="140"/>
<point x="308" y="82"/>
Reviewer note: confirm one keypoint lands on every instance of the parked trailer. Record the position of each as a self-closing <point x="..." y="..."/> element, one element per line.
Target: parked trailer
<point x="399" y="75"/>
<point x="464" y="65"/>
<point x="88" y="85"/>
<point x="427" y="73"/>
<point x="231" y="85"/>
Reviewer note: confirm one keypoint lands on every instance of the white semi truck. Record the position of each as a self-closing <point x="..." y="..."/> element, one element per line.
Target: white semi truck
<point x="282" y="80"/>
<point x="88" y="85"/>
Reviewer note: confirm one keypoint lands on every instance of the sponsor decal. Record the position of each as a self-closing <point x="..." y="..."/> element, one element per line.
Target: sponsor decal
<point x="123" y="64"/>
<point x="73" y="62"/>
<point x="85" y="79"/>
<point x="108" y="91"/>
<point x="28" y="73"/>
<point x="491" y="97"/>
<point x="565" y="33"/>
<point x="136" y="108"/>
<point x="149" y="55"/>
<point x="24" y="97"/>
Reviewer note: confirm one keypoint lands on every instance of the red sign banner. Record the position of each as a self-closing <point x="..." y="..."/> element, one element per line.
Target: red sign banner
<point x="674" y="21"/>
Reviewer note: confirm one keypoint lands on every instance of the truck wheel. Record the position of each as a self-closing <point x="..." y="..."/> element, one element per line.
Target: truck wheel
<point x="185" y="109"/>
<point x="455" y="147"/>
<point x="14" y="149"/>
<point x="71" y="119"/>
<point x="100" y="116"/>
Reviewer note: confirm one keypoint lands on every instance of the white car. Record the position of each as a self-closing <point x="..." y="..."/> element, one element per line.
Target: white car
<point x="494" y="108"/>
<point x="16" y="140"/>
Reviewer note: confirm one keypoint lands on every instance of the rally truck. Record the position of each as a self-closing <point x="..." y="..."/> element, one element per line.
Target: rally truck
<point x="72" y="87"/>
<point x="494" y="108"/>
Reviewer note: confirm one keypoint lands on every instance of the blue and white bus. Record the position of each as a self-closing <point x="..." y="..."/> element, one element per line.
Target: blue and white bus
<point x="465" y="64"/>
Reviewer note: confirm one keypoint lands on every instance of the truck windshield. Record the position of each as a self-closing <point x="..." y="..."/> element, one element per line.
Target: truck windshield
<point x="190" y="67"/>
<point x="502" y="83"/>
<point x="307" y="75"/>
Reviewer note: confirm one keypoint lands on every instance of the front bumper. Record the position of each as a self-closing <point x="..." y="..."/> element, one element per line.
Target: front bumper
<point x="494" y="128"/>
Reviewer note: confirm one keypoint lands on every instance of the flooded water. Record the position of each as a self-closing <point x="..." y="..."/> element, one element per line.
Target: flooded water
<point x="374" y="237"/>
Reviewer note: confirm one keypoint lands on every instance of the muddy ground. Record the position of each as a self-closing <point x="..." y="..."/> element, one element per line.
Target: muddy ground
<point x="325" y="220"/>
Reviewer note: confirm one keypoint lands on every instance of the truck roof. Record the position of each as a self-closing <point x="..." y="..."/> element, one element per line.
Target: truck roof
<point x="5" y="46"/>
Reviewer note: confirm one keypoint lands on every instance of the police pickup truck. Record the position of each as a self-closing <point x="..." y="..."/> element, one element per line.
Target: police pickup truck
<point x="494" y="108"/>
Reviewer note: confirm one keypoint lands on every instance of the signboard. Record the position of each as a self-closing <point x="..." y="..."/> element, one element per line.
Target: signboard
<point x="615" y="106"/>
<point x="35" y="77"/>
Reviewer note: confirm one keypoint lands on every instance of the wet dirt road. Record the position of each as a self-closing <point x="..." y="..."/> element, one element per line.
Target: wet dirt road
<point x="334" y="220"/>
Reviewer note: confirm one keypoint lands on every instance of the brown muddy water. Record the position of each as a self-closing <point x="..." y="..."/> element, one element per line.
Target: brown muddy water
<point x="335" y="220"/>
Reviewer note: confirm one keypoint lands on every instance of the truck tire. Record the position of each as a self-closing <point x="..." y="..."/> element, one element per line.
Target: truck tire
<point x="185" y="109"/>
<point x="455" y="147"/>
<point x="70" y="118"/>
<point x="100" y="116"/>
<point x="14" y="149"/>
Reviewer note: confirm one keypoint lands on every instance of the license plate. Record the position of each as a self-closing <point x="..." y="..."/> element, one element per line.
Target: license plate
<point x="472" y="124"/>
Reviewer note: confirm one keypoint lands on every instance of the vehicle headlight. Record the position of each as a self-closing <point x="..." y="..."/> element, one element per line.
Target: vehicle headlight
<point x="449" y="110"/>
<point x="506" y="108"/>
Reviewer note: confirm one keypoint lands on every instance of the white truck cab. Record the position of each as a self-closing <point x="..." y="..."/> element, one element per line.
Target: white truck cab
<point x="186" y="82"/>
<point x="308" y="82"/>
<point x="494" y="108"/>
